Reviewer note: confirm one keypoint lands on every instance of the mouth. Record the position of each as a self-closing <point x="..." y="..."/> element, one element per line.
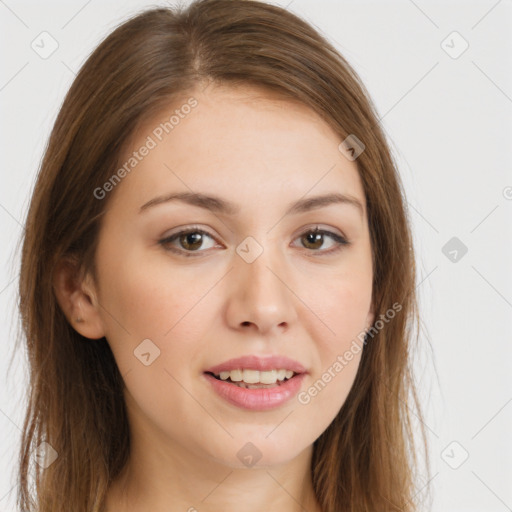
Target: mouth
<point x="255" y="379"/>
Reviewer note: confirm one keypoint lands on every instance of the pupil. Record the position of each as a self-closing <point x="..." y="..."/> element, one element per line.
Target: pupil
<point x="314" y="238"/>
<point x="197" y="241"/>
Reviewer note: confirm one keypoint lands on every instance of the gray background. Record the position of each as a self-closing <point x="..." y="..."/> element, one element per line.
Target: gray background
<point x="448" y="118"/>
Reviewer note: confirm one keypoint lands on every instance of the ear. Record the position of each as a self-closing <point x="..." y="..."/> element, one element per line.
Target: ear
<point x="370" y="318"/>
<point x="76" y="295"/>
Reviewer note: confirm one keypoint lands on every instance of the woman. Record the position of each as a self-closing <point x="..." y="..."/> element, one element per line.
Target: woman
<point x="217" y="282"/>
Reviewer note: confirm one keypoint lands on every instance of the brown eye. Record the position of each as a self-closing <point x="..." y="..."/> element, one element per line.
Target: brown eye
<point x="314" y="239"/>
<point x="189" y="241"/>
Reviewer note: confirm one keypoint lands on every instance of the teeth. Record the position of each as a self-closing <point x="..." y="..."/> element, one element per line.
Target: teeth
<point x="235" y="375"/>
<point x="256" y="377"/>
<point x="251" y="376"/>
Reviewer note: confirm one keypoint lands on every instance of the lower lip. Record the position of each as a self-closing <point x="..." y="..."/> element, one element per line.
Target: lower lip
<point x="257" y="399"/>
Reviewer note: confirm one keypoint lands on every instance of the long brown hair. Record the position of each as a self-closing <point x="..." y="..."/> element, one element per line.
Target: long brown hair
<point x="366" y="459"/>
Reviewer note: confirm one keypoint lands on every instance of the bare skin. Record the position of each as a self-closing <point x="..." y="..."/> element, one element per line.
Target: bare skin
<point x="303" y="299"/>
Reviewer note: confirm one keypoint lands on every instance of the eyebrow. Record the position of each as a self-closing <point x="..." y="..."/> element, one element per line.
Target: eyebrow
<point x="219" y="205"/>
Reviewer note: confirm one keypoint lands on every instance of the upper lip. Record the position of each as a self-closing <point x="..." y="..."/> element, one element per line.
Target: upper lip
<point x="253" y="362"/>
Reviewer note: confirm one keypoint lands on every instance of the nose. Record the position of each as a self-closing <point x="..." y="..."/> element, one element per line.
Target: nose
<point x="261" y="296"/>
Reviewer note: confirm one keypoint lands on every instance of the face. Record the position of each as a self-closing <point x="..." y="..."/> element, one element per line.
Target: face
<point x="253" y="279"/>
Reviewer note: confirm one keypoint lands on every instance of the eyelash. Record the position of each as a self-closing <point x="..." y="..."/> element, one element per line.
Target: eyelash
<point x="340" y="241"/>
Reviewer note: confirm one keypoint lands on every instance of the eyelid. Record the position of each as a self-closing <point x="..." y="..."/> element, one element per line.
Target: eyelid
<point x="321" y="228"/>
<point x="193" y="228"/>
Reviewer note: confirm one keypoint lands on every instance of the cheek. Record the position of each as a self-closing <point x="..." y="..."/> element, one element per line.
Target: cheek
<point x="150" y="298"/>
<point x="337" y="326"/>
<point x="339" y="345"/>
<point x="340" y="306"/>
<point x="144" y="300"/>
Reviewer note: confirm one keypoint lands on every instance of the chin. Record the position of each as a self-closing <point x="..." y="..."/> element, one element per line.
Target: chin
<point x="259" y="450"/>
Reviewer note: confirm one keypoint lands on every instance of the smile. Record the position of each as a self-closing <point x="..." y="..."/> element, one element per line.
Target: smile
<point x="256" y="396"/>
<point x="252" y="379"/>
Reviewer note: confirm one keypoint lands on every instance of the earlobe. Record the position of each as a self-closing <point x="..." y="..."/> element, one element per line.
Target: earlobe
<point x="76" y="297"/>
<point x="370" y="318"/>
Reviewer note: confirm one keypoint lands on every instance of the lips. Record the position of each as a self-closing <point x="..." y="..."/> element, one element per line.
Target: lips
<point x="262" y="399"/>
<point x="253" y="362"/>
<point x="256" y="397"/>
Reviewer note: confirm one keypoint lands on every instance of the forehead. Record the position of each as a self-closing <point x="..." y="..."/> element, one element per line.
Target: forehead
<point x="243" y="141"/>
<point x="226" y="111"/>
